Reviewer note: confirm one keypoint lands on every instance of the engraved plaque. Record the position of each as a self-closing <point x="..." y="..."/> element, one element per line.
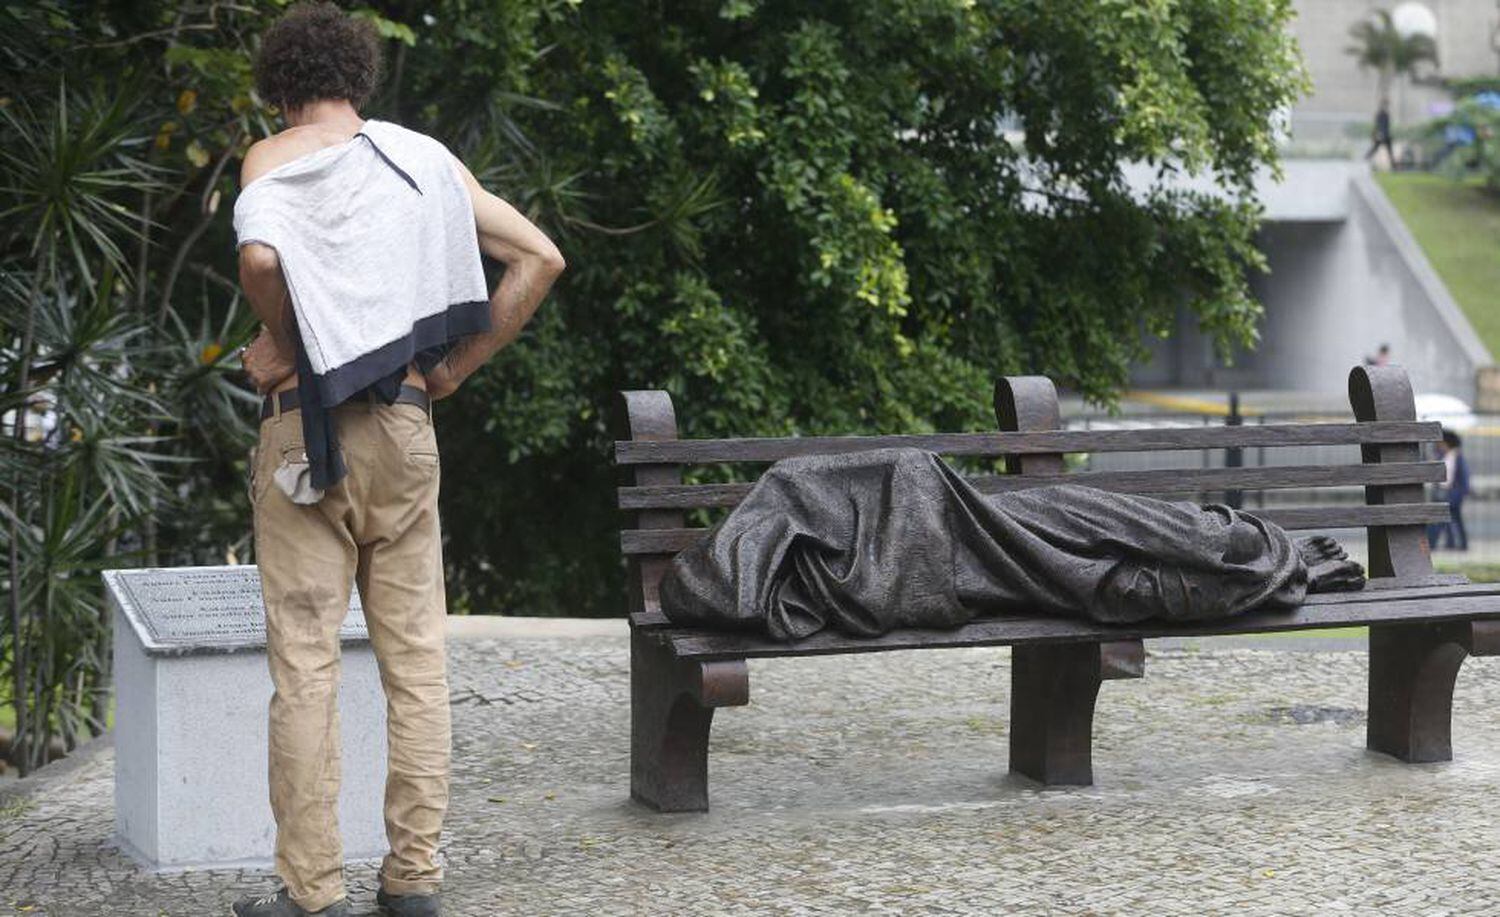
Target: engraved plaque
<point x="204" y="609"/>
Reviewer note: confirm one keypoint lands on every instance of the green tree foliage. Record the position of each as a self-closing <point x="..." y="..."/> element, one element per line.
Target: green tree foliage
<point x="121" y="425"/>
<point x="1479" y="121"/>
<point x="832" y="217"/>
<point x="796" y="217"/>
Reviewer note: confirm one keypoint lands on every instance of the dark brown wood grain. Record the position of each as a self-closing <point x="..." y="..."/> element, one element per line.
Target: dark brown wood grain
<point x="672" y="703"/>
<point x="1413" y="668"/>
<point x="1053" y="688"/>
<point x="1317" y="518"/>
<point x="1437" y="586"/>
<point x="697" y="451"/>
<point x="1012" y="631"/>
<point x="1028" y="404"/>
<point x="1296" y="518"/>
<point x="1383" y="394"/>
<point x="647" y="416"/>
<point x="1162" y="481"/>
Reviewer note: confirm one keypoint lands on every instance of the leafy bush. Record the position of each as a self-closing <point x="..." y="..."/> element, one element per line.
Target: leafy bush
<point x="121" y="429"/>
<point x="1463" y="87"/>
<point x="1462" y="144"/>
<point x="1480" y="120"/>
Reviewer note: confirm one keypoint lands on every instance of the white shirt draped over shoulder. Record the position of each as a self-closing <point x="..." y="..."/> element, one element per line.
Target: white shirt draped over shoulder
<point x="377" y="241"/>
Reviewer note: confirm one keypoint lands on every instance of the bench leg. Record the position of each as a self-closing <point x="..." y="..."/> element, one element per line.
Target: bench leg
<point x="672" y="705"/>
<point x="1412" y="671"/>
<point x="1053" y="689"/>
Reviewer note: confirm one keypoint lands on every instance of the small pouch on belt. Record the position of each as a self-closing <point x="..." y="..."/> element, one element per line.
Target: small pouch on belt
<point x="294" y="477"/>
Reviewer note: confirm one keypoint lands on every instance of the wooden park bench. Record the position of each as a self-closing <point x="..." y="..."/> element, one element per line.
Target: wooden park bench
<point x="1421" y="624"/>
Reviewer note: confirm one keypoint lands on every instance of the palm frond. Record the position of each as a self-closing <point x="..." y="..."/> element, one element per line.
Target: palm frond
<point x="66" y="169"/>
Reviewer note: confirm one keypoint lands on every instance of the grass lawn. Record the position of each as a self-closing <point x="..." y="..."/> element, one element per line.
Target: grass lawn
<point x="1476" y="571"/>
<point x="1458" y="226"/>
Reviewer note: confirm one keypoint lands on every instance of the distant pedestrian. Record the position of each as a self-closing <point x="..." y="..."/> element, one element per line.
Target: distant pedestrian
<point x="1455" y="490"/>
<point x="1382" y="356"/>
<point x="1381" y="136"/>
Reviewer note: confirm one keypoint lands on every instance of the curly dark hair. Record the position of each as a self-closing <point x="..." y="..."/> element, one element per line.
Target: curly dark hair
<point x="317" y="51"/>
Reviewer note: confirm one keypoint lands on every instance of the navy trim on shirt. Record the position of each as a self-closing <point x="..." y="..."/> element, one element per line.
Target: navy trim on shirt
<point x="379" y="371"/>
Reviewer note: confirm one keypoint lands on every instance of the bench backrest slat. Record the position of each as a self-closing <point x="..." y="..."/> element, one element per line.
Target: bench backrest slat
<point x="1157" y="481"/>
<point x="710" y="451"/>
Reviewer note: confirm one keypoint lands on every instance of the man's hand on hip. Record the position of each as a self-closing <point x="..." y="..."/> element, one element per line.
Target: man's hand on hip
<point x="442" y="381"/>
<point x="266" y="364"/>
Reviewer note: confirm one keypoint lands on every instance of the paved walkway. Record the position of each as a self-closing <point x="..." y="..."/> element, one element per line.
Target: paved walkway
<point x="1230" y="779"/>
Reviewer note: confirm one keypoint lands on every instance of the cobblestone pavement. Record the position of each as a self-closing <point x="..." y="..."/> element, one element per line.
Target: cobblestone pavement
<point x="1229" y="780"/>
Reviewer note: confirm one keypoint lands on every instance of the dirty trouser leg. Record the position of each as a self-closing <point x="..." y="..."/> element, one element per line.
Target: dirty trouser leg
<point x="307" y="562"/>
<point x="400" y="578"/>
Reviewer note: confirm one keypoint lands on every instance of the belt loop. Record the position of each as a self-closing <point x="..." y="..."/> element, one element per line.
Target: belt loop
<point x="275" y="405"/>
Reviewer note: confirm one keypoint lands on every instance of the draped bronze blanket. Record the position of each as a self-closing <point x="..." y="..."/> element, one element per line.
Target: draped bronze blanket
<point x="870" y="541"/>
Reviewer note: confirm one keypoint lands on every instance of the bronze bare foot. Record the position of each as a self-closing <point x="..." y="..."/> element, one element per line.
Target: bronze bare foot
<point x="1335" y="576"/>
<point x="1319" y="548"/>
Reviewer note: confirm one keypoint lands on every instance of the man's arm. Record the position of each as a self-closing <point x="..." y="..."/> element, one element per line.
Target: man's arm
<point x="270" y="359"/>
<point x="265" y="287"/>
<point x="531" y="262"/>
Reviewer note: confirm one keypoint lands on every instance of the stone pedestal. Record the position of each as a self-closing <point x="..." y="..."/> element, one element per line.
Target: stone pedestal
<point x="191" y="696"/>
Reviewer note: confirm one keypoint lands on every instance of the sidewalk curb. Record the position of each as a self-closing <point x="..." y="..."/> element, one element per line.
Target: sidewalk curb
<point x="16" y="790"/>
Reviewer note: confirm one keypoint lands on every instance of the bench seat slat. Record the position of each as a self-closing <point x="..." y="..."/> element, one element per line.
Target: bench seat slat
<point x="1436" y="584"/>
<point x="1381" y="607"/>
<point x="698" y="451"/>
<point x="1298" y="518"/>
<point x="1161" y="481"/>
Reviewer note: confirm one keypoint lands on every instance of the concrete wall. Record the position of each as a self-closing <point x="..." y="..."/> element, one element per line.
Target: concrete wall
<point x="1337" y="291"/>
<point x="1341" y="284"/>
<point x="1343" y="93"/>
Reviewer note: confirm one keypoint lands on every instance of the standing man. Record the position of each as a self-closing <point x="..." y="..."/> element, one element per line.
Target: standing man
<point x="360" y="248"/>
<point x="1381" y="136"/>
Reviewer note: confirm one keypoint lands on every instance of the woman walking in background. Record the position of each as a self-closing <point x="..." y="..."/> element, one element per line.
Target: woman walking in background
<point x="1455" y="490"/>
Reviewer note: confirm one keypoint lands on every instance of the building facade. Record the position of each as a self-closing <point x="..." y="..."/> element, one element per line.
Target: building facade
<point x="1344" y="96"/>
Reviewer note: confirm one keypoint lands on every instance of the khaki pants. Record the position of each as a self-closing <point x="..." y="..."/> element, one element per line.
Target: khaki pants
<point x="378" y="527"/>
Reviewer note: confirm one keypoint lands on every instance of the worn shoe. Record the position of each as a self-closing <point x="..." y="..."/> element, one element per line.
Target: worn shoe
<point x="280" y="904"/>
<point x="408" y="905"/>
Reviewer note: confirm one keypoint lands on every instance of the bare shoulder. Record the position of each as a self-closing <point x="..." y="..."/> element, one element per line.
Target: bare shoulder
<point x="266" y="154"/>
<point x="464" y="172"/>
<point x="278" y="149"/>
<point x="480" y="196"/>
